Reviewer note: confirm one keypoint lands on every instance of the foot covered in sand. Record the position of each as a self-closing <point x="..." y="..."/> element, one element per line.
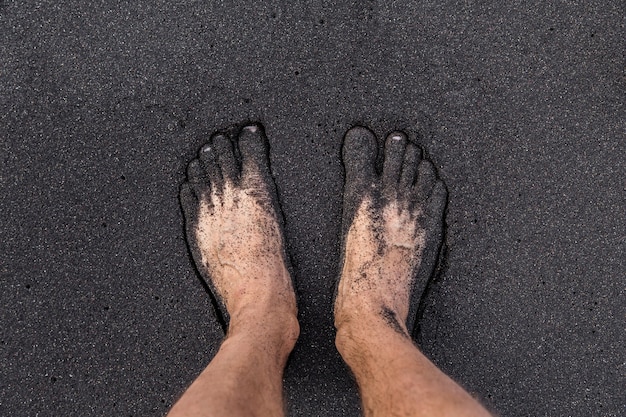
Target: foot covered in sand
<point x="392" y="230"/>
<point x="234" y="226"/>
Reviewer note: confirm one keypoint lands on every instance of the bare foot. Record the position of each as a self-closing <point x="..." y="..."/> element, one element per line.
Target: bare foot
<point x="234" y="228"/>
<point x="235" y="236"/>
<point x="392" y="231"/>
<point x="393" y="223"/>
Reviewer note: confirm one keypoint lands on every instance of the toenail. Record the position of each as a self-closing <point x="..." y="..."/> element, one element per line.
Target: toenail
<point x="207" y="148"/>
<point x="251" y="128"/>
<point x="397" y="136"/>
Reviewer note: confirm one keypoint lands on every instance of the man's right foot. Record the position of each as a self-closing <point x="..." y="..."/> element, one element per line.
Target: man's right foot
<point x="393" y="224"/>
<point x="393" y="227"/>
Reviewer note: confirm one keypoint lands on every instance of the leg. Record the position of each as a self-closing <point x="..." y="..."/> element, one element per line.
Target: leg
<point x="234" y="231"/>
<point x="392" y="227"/>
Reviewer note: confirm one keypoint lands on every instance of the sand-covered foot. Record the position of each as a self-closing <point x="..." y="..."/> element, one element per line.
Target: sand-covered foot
<point x="234" y="226"/>
<point x="392" y="230"/>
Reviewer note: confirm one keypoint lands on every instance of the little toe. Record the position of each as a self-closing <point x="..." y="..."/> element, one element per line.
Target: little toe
<point x="254" y="149"/>
<point x="195" y="172"/>
<point x="412" y="158"/>
<point x="359" y="154"/>
<point x="437" y="201"/>
<point x="189" y="202"/>
<point x="197" y="177"/>
<point x="395" y="147"/>
<point x="226" y="157"/>
<point x="426" y="178"/>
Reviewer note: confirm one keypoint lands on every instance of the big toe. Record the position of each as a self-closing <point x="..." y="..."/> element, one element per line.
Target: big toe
<point x="254" y="150"/>
<point x="359" y="154"/>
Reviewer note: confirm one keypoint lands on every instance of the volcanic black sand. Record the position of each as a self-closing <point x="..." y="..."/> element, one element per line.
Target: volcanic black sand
<point x="521" y="108"/>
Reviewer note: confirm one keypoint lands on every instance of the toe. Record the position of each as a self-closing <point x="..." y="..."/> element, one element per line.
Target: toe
<point x="436" y="204"/>
<point x="195" y="172"/>
<point x="226" y="157"/>
<point x="426" y="178"/>
<point x="197" y="177"/>
<point x="395" y="146"/>
<point x="189" y="202"/>
<point x="254" y="149"/>
<point x="359" y="154"/>
<point x="208" y="161"/>
<point x="412" y="158"/>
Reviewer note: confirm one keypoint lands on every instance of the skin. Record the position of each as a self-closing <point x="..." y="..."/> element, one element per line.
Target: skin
<point x="236" y="240"/>
<point x="390" y="220"/>
<point x="398" y="215"/>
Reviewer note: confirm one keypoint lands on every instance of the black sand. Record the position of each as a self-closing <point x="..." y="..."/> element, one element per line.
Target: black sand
<point x="101" y="108"/>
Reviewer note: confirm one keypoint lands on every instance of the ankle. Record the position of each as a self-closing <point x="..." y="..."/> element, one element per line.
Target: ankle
<point x="354" y="334"/>
<point x="368" y="331"/>
<point x="370" y="315"/>
<point x="276" y="330"/>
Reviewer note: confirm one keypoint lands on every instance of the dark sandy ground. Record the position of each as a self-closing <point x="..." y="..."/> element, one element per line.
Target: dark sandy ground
<point x="102" y="105"/>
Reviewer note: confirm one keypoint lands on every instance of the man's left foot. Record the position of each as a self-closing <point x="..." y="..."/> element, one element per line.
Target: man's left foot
<point x="234" y="229"/>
